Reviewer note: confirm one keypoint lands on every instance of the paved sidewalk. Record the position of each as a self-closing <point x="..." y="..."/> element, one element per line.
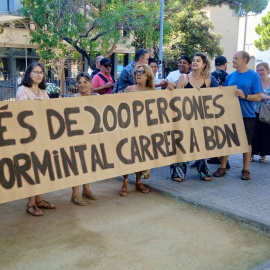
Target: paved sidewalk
<point x="246" y="201"/>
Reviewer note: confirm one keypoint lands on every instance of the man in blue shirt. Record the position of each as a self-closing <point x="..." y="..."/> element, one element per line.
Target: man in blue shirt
<point x="126" y="76"/>
<point x="249" y="90"/>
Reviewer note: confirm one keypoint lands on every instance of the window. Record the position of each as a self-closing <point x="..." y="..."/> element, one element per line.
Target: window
<point x="4" y="5"/>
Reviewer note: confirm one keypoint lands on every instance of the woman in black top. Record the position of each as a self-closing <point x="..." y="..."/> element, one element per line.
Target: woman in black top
<point x="198" y="78"/>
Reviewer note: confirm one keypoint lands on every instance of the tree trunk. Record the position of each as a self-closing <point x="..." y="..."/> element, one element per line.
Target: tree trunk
<point x="62" y="80"/>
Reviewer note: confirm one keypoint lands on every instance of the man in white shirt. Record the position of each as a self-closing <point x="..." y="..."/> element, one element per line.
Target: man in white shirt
<point x="183" y="68"/>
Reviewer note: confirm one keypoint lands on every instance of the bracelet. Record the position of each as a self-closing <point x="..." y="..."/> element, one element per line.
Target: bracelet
<point x="246" y="96"/>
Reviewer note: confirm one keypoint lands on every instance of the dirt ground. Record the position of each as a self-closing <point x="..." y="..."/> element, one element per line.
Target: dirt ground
<point x="137" y="232"/>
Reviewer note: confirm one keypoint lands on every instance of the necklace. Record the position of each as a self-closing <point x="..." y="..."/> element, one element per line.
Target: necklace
<point x="36" y="94"/>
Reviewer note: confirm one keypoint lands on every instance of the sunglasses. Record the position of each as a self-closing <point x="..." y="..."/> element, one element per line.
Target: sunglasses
<point x="106" y="66"/>
<point x="140" y="72"/>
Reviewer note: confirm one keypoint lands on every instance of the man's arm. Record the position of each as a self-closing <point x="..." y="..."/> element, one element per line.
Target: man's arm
<point x="254" y="97"/>
<point x="120" y="84"/>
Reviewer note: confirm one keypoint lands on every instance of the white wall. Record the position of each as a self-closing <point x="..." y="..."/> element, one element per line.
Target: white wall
<point x="225" y="22"/>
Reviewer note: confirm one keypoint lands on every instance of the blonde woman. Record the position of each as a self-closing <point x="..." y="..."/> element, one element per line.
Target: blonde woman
<point x="84" y="84"/>
<point x="144" y="80"/>
<point x="199" y="77"/>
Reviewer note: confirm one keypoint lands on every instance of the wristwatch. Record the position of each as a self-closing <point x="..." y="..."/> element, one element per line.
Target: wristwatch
<point x="246" y="95"/>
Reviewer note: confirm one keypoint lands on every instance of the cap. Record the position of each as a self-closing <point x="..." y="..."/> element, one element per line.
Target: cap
<point x="105" y="61"/>
<point x="220" y="60"/>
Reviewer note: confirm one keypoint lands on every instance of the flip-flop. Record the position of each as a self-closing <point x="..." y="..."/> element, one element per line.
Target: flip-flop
<point x="45" y="205"/>
<point x="263" y="159"/>
<point x="207" y="178"/>
<point x="177" y="179"/>
<point x="123" y="192"/>
<point x="142" y="189"/>
<point x="33" y="210"/>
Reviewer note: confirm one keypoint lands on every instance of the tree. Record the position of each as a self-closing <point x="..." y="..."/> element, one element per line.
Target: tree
<point x="190" y="34"/>
<point x="263" y="29"/>
<point x="88" y="26"/>
<point x="96" y="26"/>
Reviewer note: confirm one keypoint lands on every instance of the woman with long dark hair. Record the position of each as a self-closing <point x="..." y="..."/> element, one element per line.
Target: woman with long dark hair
<point x="33" y="87"/>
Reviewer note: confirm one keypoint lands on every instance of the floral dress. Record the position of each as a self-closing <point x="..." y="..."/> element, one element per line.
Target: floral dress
<point x="25" y="93"/>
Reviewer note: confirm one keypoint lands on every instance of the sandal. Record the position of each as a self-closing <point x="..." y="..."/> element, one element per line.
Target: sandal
<point x="89" y="195"/>
<point x="177" y="179"/>
<point x="33" y="210"/>
<point x="77" y="200"/>
<point x="207" y="178"/>
<point x="220" y="172"/>
<point x="123" y="192"/>
<point x="142" y="188"/>
<point x="45" y="205"/>
<point x="263" y="159"/>
<point x="245" y="175"/>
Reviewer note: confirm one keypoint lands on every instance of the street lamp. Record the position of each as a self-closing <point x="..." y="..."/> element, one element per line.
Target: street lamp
<point x="25" y="51"/>
<point x="160" y="56"/>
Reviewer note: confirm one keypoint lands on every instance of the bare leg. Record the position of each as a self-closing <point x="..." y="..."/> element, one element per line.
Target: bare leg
<point x="32" y="208"/>
<point x="123" y="190"/>
<point x="139" y="185"/>
<point x="246" y="159"/>
<point x="76" y="198"/>
<point x="224" y="160"/>
<point x="87" y="193"/>
<point x="76" y="190"/>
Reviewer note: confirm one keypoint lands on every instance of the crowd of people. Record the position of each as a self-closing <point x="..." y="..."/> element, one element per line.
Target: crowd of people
<point x="253" y="88"/>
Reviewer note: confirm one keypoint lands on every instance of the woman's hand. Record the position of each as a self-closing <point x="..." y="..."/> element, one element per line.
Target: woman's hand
<point x="170" y="87"/>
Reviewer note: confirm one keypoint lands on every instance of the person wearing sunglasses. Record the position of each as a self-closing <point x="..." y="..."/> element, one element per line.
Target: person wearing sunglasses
<point x="125" y="78"/>
<point x="144" y="81"/>
<point x="33" y="87"/>
<point x="103" y="81"/>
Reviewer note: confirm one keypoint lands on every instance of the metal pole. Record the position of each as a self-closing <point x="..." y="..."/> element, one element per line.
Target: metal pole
<point x="160" y="68"/>
<point x="25" y="49"/>
<point x="245" y="32"/>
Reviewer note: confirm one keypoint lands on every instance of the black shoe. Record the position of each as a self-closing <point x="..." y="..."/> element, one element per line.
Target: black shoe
<point x="228" y="166"/>
<point x="214" y="160"/>
<point x="194" y="165"/>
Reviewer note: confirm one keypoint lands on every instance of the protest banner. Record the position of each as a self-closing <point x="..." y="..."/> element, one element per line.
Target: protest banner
<point x="55" y="144"/>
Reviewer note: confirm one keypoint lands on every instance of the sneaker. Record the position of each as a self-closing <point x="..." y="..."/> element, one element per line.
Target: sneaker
<point x="194" y="165"/>
<point x="220" y="172"/>
<point x="214" y="160"/>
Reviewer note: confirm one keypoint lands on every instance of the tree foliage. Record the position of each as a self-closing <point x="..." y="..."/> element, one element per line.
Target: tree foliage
<point x="263" y="29"/>
<point x="96" y="26"/>
<point x="191" y="33"/>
